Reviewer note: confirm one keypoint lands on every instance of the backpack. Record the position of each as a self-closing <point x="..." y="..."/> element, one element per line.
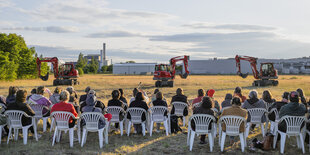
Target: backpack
<point x="174" y="124"/>
<point x="268" y="142"/>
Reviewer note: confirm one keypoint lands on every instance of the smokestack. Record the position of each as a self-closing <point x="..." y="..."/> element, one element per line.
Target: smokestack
<point x="101" y="58"/>
<point x="104" y="56"/>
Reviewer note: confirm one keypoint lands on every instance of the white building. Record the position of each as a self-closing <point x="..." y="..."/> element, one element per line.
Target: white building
<point x="134" y="68"/>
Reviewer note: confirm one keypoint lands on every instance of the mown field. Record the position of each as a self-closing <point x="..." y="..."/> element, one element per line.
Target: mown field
<point x="158" y="143"/>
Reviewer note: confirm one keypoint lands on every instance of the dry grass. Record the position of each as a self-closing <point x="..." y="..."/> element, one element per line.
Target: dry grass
<point x="158" y="143"/>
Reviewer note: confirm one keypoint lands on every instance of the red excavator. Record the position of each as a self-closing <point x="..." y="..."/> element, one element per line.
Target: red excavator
<point x="64" y="74"/>
<point x="265" y="77"/>
<point x="165" y="73"/>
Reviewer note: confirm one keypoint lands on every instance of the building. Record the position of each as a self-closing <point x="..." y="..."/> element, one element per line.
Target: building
<point x="100" y="58"/>
<point x="134" y="68"/>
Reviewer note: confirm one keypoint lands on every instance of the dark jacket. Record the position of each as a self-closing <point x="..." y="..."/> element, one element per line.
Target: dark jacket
<point x="277" y="105"/>
<point x="180" y="98"/>
<point x="25" y="108"/>
<point x="83" y="98"/>
<point x="123" y="99"/>
<point x="118" y="103"/>
<point x="10" y="99"/>
<point x="291" y="109"/>
<point x="139" y="104"/>
<point x="227" y="101"/>
<point x="90" y="107"/>
<point x="99" y="104"/>
<point x="254" y="103"/>
<point x="202" y="110"/>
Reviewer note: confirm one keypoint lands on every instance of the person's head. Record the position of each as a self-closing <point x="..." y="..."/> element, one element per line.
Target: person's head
<point x="115" y="94"/>
<point x="300" y="92"/>
<point x="237" y="90"/>
<point x="21" y="96"/>
<point x="159" y="96"/>
<point x="70" y="89"/>
<point x="40" y="90"/>
<point x="179" y="91"/>
<point x="285" y="95"/>
<point x="293" y="97"/>
<point x="33" y="91"/>
<point x="207" y="102"/>
<point x="211" y="92"/>
<point x="253" y="94"/>
<point x="139" y="96"/>
<point x="236" y="101"/>
<point x="12" y="90"/>
<point x="87" y="89"/>
<point x="91" y="100"/>
<point x="134" y="92"/>
<point x="228" y="96"/>
<point x="121" y="91"/>
<point x="57" y="90"/>
<point x="201" y="92"/>
<point x="267" y="96"/>
<point x="92" y="92"/>
<point x="156" y="91"/>
<point x="64" y="96"/>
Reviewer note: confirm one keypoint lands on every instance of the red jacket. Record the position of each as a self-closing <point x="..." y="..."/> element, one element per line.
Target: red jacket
<point x="63" y="106"/>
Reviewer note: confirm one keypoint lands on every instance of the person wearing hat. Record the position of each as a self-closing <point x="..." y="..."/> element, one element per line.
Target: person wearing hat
<point x="227" y="101"/>
<point x="254" y="102"/>
<point x="293" y="108"/>
<point x="98" y="104"/>
<point x="83" y="97"/>
<point x="55" y="98"/>
<point x="198" y="99"/>
<point x="278" y="105"/>
<point x="210" y="93"/>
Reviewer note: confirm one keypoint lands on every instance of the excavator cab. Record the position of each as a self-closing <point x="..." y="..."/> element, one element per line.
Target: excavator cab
<point x="267" y="70"/>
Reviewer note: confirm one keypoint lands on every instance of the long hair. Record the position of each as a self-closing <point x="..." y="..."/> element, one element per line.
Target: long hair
<point x="139" y="97"/>
<point x="21" y="96"/>
<point x="267" y="96"/>
<point x="301" y="95"/>
<point x="201" y="92"/>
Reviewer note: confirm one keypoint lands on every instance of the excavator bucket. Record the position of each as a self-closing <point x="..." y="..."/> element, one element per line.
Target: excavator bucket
<point x="243" y="75"/>
<point x="184" y="76"/>
<point x="44" y="78"/>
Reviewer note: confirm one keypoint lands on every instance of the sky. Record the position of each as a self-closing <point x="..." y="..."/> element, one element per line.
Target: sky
<point x="154" y="31"/>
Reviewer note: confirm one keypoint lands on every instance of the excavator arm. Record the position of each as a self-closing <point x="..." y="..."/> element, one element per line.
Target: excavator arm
<point x="253" y="63"/>
<point x="173" y="62"/>
<point x="54" y="62"/>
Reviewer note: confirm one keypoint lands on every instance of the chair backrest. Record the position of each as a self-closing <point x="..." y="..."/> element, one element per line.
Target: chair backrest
<point x="268" y="105"/>
<point x="179" y="108"/>
<point x="196" y="105"/>
<point x="62" y="119"/>
<point x="136" y="114"/>
<point x="232" y="124"/>
<point x="275" y="111"/>
<point x="257" y="114"/>
<point x="92" y="120"/>
<point x="293" y="124"/>
<point x="37" y="108"/>
<point x="15" y="118"/>
<point x="202" y="122"/>
<point x="215" y="110"/>
<point x="114" y="111"/>
<point x="157" y="113"/>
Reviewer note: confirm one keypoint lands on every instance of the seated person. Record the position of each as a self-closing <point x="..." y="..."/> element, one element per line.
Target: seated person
<point x="55" y="98"/>
<point x="99" y="104"/>
<point x="20" y="104"/>
<point x="90" y="107"/>
<point x="238" y="93"/>
<point x="83" y="97"/>
<point x="227" y="101"/>
<point x="254" y="102"/>
<point x="122" y="97"/>
<point x="160" y="102"/>
<point x="73" y="98"/>
<point x="180" y="97"/>
<point x="201" y="94"/>
<point x="115" y="101"/>
<point x="41" y="100"/>
<point x="204" y="108"/>
<point x="63" y="105"/>
<point x="267" y="98"/>
<point x="12" y="95"/>
<point x="139" y="103"/>
<point x="278" y="105"/>
<point x="210" y="93"/>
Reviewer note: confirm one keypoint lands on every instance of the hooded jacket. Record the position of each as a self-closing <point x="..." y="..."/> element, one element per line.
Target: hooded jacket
<point x="55" y="98"/>
<point x="291" y="109"/>
<point x="91" y="101"/>
<point x="40" y="99"/>
<point x="10" y="99"/>
<point x="254" y="103"/>
<point x="227" y="101"/>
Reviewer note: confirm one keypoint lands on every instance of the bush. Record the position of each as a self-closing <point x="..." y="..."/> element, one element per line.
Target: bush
<point x="80" y="70"/>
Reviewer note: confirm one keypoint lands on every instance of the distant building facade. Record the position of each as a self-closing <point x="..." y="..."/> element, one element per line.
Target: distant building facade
<point x="134" y="68"/>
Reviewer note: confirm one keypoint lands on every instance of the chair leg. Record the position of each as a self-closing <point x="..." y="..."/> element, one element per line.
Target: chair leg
<point x="83" y="137"/>
<point x="298" y="141"/>
<point x="58" y="136"/>
<point x="25" y="135"/>
<point x="52" y="124"/>
<point x="192" y="140"/>
<point x="128" y="128"/>
<point x="283" y="137"/>
<point x="121" y="126"/>
<point x="247" y="130"/>
<point x="71" y="136"/>
<point x="275" y="140"/>
<point x="106" y="136"/>
<point x="100" y="134"/>
<point x="211" y="141"/>
<point x="9" y="136"/>
<point x="242" y="141"/>
<point x="188" y="135"/>
<point x="302" y="142"/>
<point x="54" y="137"/>
<point x="35" y="131"/>
<point x="44" y="123"/>
<point x="184" y="121"/>
<point x="143" y="128"/>
<point x="0" y="132"/>
<point x="151" y="128"/>
<point x="166" y="127"/>
<point x="263" y="129"/>
<point x="16" y="134"/>
<point x="223" y="141"/>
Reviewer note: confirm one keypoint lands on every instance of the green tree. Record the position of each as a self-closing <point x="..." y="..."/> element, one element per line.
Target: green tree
<point x="93" y="66"/>
<point x="104" y="69"/>
<point x="81" y="64"/>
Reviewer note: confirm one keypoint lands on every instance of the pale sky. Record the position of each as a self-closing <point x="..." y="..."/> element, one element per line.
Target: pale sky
<point x="155" y="31"/>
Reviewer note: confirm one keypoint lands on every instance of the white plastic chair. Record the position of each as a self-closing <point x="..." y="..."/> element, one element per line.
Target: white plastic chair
<point x="1" y="127"/>
<point x="256" y="118"/>
<point x="178" y="110"/>
<point x="14" y="120"/>
<point x="274" y="124"/>
<point x="196" y="105"/>
<point x="115" y="111"/>
<point x="62" y="124"/>
<point x="202" y="123"/>
<point x="157" y="115"/>
<point x="233" y="124"/>
<point x="92" y="120"/>
<point x="293" y="126"/>
<point x="37" y="108"/>
<point x="136" y="118"/>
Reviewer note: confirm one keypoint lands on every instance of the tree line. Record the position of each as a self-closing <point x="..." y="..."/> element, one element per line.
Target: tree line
<point x="83" y="66"/>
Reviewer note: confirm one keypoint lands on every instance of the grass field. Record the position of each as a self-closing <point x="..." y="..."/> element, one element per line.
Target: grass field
<point x="158" y="143"/>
